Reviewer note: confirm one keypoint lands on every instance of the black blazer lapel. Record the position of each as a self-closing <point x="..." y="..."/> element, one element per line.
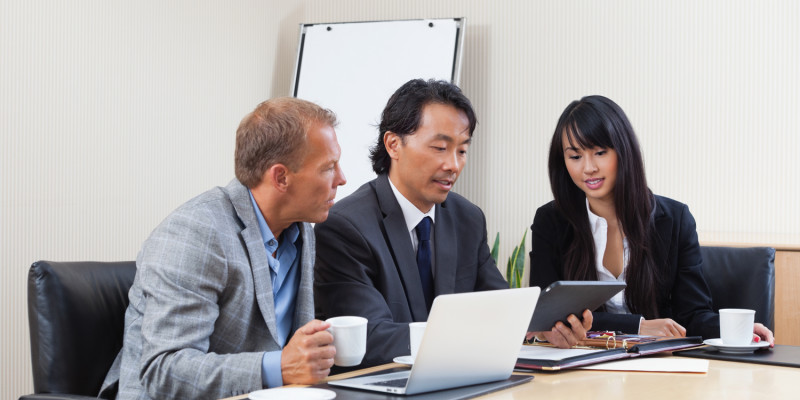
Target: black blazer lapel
<point x="662" y="229"/>
<point x="400" y="245"/>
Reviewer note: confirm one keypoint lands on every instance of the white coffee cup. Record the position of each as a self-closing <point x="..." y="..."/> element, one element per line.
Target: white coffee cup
<point x="416" y="330"/>
<point x="736" y="326"/>
<point x="349" y="339"/>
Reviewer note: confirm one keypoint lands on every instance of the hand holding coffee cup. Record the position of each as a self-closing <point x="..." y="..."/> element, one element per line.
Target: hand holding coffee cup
<point x="349" y="339"/>
<point x="416" y="331"/>
<point x="736" y="326"/>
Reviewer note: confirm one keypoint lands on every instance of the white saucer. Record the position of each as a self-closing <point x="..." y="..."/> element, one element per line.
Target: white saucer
<point x="737" y="349"/>
<point x="407" y="360"/>
<point x="292" y="393"/>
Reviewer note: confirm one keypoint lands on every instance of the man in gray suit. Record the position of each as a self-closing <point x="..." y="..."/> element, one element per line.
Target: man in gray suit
<point x="222" y="301"/>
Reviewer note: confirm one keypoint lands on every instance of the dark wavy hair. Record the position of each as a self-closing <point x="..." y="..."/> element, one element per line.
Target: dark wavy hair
<point x="403" y="113"/>
<point x="596" y="121"/>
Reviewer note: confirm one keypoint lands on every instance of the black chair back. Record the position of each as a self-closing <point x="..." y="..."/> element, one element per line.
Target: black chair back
<point x="76" y="312"/>
<point x="742" y="278"/>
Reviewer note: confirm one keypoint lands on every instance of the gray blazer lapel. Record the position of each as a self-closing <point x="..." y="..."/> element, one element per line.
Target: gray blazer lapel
<point x="444" y="242"/>
<point x="304" y="309"/>
<point x="240" y="198"/>
<point x="400" y="245"/>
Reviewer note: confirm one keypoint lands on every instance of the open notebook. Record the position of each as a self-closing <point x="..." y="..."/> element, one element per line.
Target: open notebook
<point x="597" y="350"/>
<point x="470" y="338"/>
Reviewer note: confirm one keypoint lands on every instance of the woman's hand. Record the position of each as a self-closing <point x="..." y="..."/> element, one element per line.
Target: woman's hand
<point x="661" y="327"/>
<point x="760" y="332"/>
<point x="563" y="336"/>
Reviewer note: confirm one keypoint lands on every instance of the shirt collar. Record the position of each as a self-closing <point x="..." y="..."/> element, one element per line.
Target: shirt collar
<point x="411" y="213"/>
<point x="291" y="233"/>
<point x="596" y="222"/>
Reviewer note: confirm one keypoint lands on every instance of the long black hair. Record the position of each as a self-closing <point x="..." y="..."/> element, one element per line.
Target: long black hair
<point x="596" y="121"/>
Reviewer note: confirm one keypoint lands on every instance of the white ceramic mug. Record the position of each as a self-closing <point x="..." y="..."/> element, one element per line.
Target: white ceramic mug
<point x="349" y="339"/>
<point x="416" y="331"/>
<point x="736" y="326"/>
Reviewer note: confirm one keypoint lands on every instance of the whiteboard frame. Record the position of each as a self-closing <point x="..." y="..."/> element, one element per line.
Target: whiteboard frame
<point x="455" y="76"/>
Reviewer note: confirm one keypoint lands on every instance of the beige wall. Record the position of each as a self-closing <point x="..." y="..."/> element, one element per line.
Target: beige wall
<point x="113" y="113"/>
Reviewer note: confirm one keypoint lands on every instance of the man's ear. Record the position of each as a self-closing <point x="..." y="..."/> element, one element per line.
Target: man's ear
<point x="392" y="142"/>
<point x="278" y="175"/>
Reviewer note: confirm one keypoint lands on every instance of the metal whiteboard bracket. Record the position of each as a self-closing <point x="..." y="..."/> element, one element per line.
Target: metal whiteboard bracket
<point x="461" y="24"/>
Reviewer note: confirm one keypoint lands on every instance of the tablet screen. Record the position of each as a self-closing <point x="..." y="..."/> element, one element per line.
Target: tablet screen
<point x="562" y="298"/>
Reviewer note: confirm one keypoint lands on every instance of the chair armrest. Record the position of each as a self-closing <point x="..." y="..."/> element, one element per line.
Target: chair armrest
<point x="55" y="396"/>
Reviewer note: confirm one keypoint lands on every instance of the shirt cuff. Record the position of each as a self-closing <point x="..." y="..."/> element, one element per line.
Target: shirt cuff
<point x="271" y="369"/>
<point x="639" y="332"/>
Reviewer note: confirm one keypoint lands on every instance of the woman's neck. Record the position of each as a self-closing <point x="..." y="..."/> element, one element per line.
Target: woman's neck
<point x="604" y="209"/>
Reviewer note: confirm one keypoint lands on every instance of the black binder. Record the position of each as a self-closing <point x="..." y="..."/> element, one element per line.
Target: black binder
<point x="783" y="355"/>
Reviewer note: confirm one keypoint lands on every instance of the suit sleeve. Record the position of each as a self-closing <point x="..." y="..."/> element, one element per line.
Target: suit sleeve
<point x="545" y="249"/>
<point x="344" y="284"/>
<point x="489" y="276"/>
<point x="184" y="274"/>
<point x="691" y="297"/>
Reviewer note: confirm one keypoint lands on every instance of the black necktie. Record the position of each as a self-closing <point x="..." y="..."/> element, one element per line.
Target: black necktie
<point x="424" y="259"/>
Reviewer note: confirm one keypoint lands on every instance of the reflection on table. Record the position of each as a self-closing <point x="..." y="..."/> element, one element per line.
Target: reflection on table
<point x="724" y="380"/>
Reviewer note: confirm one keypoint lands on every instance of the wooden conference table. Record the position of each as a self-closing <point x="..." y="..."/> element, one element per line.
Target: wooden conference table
<point x="724" y="380"/>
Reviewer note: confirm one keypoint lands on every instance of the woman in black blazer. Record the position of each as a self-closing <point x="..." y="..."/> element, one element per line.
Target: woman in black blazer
<point x="605" y="224"/>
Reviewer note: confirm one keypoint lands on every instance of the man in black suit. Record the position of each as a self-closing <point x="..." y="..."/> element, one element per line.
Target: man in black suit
<point x="372" y="258"/>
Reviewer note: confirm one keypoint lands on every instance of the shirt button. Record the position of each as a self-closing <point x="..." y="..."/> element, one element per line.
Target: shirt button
<point x="272" y="242"/>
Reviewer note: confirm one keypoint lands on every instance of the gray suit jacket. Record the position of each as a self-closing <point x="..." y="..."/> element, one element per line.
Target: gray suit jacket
<point x="201" y="310"/>
<point x="366" y="264"/>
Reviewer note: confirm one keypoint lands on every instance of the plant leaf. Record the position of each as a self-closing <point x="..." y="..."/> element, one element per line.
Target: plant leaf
<point x="516" y="264"/>
<point x="496" y="247"/>
<point x="510" y="273"/>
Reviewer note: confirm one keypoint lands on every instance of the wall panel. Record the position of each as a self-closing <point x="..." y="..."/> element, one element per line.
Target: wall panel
<point x="113" y="113"/>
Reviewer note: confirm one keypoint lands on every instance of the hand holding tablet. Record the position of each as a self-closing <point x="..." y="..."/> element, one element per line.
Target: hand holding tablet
<point x="562" y="298"/>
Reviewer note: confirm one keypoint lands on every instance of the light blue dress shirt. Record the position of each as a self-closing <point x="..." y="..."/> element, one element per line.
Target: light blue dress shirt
<point x="283" y="269"/>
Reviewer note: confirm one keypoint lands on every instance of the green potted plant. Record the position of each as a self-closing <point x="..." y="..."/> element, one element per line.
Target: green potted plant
<point x="516" y="262"/>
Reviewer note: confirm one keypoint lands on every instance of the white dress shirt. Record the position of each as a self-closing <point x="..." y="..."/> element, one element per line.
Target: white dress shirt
<point x="413" y="216"/>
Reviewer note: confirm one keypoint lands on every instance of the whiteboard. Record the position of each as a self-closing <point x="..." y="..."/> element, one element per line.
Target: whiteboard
<point x="353" y="68"/>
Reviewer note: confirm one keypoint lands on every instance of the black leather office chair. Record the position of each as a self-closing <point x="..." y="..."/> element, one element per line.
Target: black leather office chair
<point x="742" y="278"/>
<point x="76" y="312"/>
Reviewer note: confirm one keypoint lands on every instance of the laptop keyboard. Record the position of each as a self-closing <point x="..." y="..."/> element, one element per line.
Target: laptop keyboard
<point x="398" y="383"/>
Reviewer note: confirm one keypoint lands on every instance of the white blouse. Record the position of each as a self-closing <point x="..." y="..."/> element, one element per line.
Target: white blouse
<point x="599" y="227"/>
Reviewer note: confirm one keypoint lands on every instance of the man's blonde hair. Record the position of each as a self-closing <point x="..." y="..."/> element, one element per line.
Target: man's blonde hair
<point x="275" y="133"/>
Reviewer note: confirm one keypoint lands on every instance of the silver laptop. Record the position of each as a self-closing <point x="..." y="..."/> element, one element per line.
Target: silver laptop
<point x="471" y="338"/>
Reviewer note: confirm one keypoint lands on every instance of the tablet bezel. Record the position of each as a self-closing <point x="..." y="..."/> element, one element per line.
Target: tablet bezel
<point x="563" y="298"/>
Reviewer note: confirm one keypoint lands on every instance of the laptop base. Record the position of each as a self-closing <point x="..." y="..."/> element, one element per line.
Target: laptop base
<point x="463" y="392"/>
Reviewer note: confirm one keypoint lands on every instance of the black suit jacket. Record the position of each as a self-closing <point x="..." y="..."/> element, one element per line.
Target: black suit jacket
<point x="366" y="264"/>
<point x="683" y="296"/>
